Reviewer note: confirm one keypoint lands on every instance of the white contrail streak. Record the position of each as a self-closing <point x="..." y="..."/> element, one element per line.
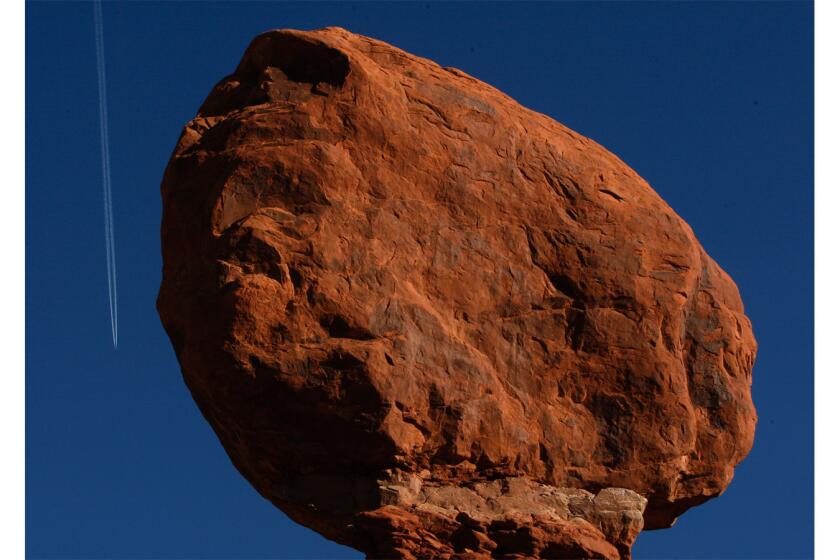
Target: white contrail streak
<point x="110" y="257"/>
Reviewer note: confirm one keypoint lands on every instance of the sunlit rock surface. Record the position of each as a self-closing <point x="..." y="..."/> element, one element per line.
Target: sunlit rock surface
<point x="426" y="321"/>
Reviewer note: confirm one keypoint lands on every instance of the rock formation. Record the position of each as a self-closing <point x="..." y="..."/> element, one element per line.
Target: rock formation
<point x="425" y="321"/>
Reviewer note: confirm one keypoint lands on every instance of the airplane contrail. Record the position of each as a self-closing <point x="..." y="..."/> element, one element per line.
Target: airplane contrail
<point x="110" y="254"/>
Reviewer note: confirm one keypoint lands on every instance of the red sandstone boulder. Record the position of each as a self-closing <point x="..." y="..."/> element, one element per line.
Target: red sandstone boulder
<point x="428" y="322"/>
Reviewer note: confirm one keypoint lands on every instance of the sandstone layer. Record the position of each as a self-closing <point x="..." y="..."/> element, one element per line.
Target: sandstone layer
<point x="426" y="321"/>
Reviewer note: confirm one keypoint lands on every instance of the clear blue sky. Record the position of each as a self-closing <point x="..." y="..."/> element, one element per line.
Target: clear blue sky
<point x="711" y="102"/>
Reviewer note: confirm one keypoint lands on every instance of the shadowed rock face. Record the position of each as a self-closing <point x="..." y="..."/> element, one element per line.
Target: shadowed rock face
<point x="428" y="322"/>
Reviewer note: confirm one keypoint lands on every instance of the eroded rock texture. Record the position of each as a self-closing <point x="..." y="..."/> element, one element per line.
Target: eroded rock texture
<point x="428" y="322"/>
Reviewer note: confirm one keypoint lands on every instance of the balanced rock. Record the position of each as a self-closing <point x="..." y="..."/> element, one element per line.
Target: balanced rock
<point x="426" y="321"/>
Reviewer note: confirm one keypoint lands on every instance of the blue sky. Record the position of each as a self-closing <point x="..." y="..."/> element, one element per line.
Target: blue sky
<point x="711" y="102"/>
